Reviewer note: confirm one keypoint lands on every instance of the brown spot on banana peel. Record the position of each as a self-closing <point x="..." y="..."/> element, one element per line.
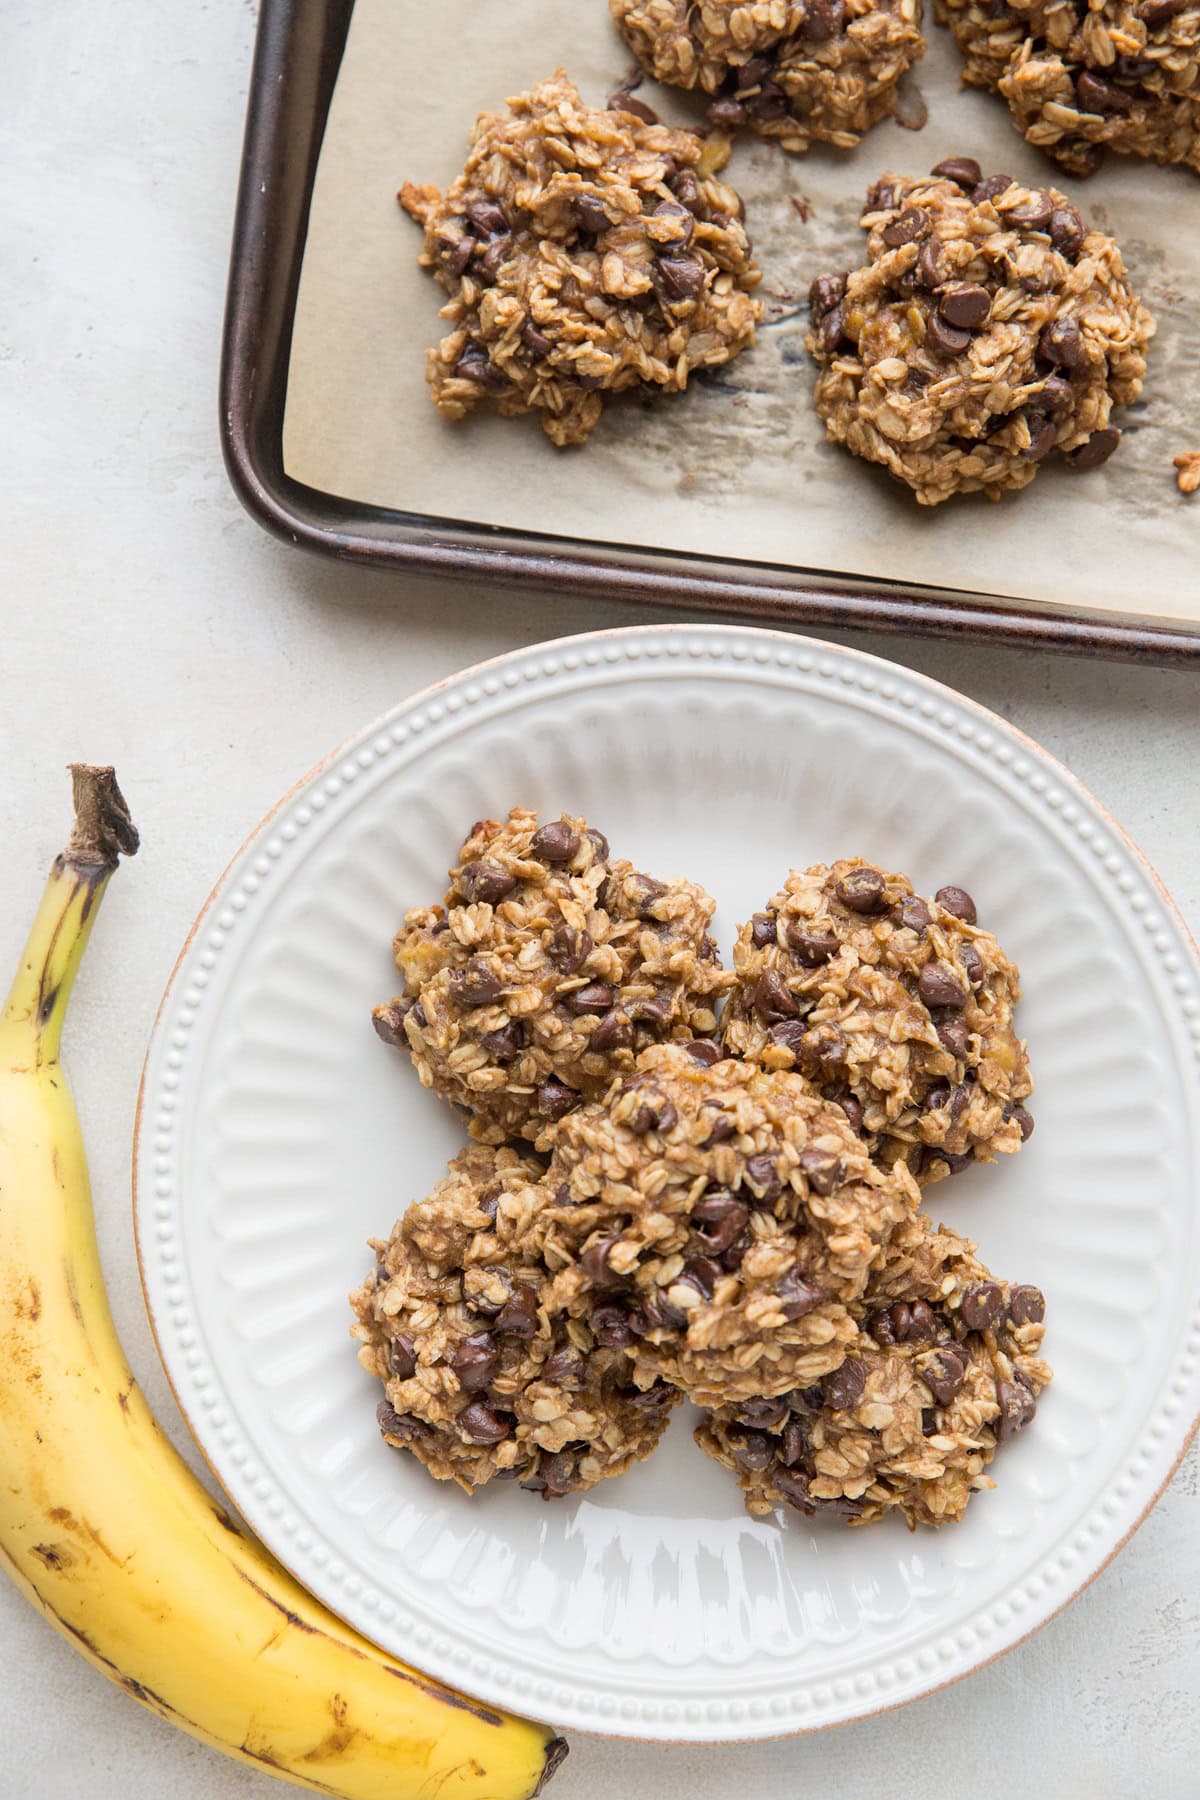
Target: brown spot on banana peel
<point x="557" y="1751"/>
<point x="228" y="1523"/>
<point x="54" y="1556"/>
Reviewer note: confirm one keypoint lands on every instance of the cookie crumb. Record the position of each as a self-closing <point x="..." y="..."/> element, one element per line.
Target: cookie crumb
<point x="1188" y="464"/>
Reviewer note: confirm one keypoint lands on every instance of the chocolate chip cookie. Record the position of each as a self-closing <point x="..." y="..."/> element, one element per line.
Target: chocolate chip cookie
<point x="483" y="1377"/>
<point x="801" y="71"/>
<point x="548" y="968"/>
<point x="944" y="1370"/>
<point x="715" y="1220"/>
<point x="990" y="329"/>
<point x="897" y="1008"/>
<point x="1118" y="74"/>
<point x="585" y="254"/>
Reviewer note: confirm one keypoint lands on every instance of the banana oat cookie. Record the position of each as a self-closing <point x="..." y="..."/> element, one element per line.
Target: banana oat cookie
<point x="715" y="1220"/>
<point x="796" y="70"/>
<point x="945" y="1369"/>
<point x="898" y="1008"/>
<point x="546" y="971"/>
<point x="584" y="254"/>
<point x="482" y="1378"/>
<point x="1118" y="74"/>
<point x="990" y="328"/>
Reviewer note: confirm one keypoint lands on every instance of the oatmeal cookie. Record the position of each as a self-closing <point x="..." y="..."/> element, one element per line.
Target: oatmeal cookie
<point x="989" y="329"/>
<point x="715" y="1220"/>
<point x="796" y="70"/>
<point x="549" y="967"/>
<point x="1118" y="74"/>
<point x="897" y="1008"/>
<point x="944" y="1370"/>
<point x="584" y="254"/>
<point x="482" y="1377"/>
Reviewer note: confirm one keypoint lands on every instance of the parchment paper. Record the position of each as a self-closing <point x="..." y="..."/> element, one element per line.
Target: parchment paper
<point x="738" y="466"/>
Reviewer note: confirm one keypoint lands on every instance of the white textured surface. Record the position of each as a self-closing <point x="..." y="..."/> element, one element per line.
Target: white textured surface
<point x="146" y="621"/>
<point x="276" y="1139"/>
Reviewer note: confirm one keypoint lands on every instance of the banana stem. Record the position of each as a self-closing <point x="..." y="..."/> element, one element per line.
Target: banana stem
<point x="31" y="1021"/>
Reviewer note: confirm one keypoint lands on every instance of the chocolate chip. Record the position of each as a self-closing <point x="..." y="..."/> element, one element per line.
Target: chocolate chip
<point x="655" y="1010"/>
<point x="1033" y="214"/>
<point x="671" y="209"/>
<point x="825" y="293"/>
<point x="402" y="1358"/>
<point x="680" y="276"/>
<point x="630" y="104"/>
<point x="474" y="1362"/>
<point x="721" y="1130"/>
<point x="769" y="103"/>
<point x="557" y="1474"/>
<point x="751" y="1449"/>
<point x="389" y="1020"/>
<point x="812" y="948"/>
<point x="648" y="1400"/>
<point x="966" y="305"/>
<point x="823" y="19"/>
<point x="962" y="169"/>
<point x="793" y="1485"/>
<point x="762" y="930"/>
<point x="733" y="1258"/>
<point x="972" y="964"/>
<point x="614" y="1032"/>
<point x="482" y="1426"/>
<point x="832" y="329"/>
<point x="824" y="1048"/>
<point x="611" y="1327"/>
<point x="881" y="197"/>
<point x="555" y="1099"/>
<point x="843" y="1388"/>
<point x="764" y="1415"/>
<point x="922" y="1324"/>
<point x="569" y="949"/>
<point x="771" y="997"/>
<point x="762" y="1176"/>
<point x="599" y="843"/>
<point x="475" y="365"/>
<point x="485" y="882"/>
<point x="1043" y="435"/>
<point x="497" y="252"/>
<point x="556" y="842"/>
<point x="705" y="1051"/>
<point x="506" y="1044"/>
<point x="476" y="985"/>
<point x="954" y="1164"/>
<point x="1024" y="1119"/>
<point x="822" y="1170"/>
<point x="798" y="1295"/>
<point x="656" y="1113"/>
<point x="990" y="188"/>
<point x="401" y="1425"/>
<point x="891" y="1324"/>
<point x="912" y="914"/>
<point x="718" y="1219"/>
<point x="456" y="253"/>
<point x="981" y="1306"/>
<point x="657" y="1314"/>
<point x="912" y="223"/>
<point x="943" y="336"/>
<point x="954" y="1034"/>
<point x="929" y="1422"/>
<point x="1017" y="1408"/>
<point x="702" y="1273"/>
<point x="487" y="216"/>
<point x="1026" y="1305"/>
<point x="945" y="1373"/>
<point x="590" y="216"/>
<point x="727" y="111"/>
<point x="929" y="272"/>
<point x="958" y="903"/>
<point x="789" y="1035"/>
<point x="489" y="1203"/>
<point x="795" y="1446"/>
<point x="595" y="998"/>
<point x="1097" y="450"/>
<point x="596" y="1263"/>
<point x="519" y="1316"/>
<point x="1067" y="231"/>
<point x="642" y="892"/>
<point x="1060" y="343"/>
<point x="535" y="341"/>
<point x="936" y="1097"/>
<point x="861" y="890"/>
<point x="852" y="1109"/>
<point x="939" y="985"/>
<point x="566" y="1364"/>
<point x="754" y="72"/>
<point x="1097" y="96"/>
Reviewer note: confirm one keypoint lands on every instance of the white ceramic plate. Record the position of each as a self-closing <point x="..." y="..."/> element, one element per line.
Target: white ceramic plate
<point x="276" y="1135"/>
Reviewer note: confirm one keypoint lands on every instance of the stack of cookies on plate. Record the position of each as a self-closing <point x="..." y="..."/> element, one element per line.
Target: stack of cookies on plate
<point x="690" y="1182"/>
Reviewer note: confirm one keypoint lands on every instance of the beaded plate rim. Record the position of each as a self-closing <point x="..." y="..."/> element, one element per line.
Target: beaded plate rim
<point x="806" y="664"/>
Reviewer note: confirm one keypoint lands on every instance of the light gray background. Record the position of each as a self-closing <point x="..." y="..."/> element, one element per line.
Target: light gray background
<point x="146" y="621"/>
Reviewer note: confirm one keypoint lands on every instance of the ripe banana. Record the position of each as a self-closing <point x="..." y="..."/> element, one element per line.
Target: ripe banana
<point x="102" y="1525"/>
